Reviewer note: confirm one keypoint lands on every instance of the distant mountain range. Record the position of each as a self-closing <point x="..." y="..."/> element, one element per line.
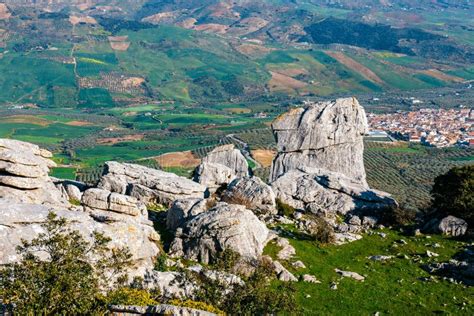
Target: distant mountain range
<point x="233" y="51"/>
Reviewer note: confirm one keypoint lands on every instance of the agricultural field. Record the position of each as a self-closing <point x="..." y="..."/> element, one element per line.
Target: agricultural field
<point x="96" y="87"/>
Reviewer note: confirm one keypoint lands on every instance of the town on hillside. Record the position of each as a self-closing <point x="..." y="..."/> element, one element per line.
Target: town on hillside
<point x="431" y="127"/>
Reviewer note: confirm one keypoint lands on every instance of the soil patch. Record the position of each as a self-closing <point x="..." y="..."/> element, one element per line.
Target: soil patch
<point x="212" y="28"/>
<point x="184" y="159"/>
<point x="354" y="65"/>
<point x="26" y="119"/>
<point x="264" y="156"/>
<point x="285" y="83"/>
<point x="74" y="20"/>
<point x="79" y="123"/>
<point x="4" y="12"/>
<point x="116" y="140"/>
<point x="441" y="75"/>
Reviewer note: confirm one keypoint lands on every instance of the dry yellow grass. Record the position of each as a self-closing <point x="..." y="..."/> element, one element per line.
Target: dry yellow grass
<point x="264" y="156"/>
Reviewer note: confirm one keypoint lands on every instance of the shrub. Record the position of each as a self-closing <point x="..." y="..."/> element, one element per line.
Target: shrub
<point x="130" y="296"/>
<point x="319" y="230"/>
<point x="398" y="216"/>
<point x="155" y="207"/>
<point x="259" y="297"/>
<point x="453" y="193"/>
<point x="66" y="280"/>
<point x="284" y="209"/>
<point x="197" y="305"/>
<point x="75" y="202"/>
<point x="237" y="198"/>
<point x="160" y="263"/>
<point x="226" y="260"/>
<point x="256" y="296"/>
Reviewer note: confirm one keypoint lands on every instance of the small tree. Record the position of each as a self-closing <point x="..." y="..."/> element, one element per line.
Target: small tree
<point x="62" y="273"/>
<point x="453" y="193"/>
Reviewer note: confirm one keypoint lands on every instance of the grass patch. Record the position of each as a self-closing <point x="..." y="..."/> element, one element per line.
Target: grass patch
<point x="65" y="173"/>
<point x="392" y="287"/>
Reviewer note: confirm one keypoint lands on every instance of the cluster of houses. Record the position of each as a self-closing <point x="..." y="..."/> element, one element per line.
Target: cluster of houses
<point x="432" y="127"/>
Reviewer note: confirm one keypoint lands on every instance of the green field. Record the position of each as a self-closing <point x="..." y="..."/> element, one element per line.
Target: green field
<point x="396" y="286"/>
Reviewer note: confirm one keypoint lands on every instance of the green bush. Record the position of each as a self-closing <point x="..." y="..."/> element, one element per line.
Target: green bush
<point x="160" y="263"/>
<point x="75" y="202"/>
<point x="197" y="305"/>
<point x="226" y="260"/>
<point x="319" y="230"/>
<point x="130" y="296"/>
<point x="284" y="209"/>
<point x="453" y="193"/>
<point x="398" y="216"/>
<point x="256" y="296"/>
<point x="66" y="281"/>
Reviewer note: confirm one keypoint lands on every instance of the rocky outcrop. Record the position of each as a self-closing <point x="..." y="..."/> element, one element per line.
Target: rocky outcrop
<point x="24" y="176"/>
<point x="319" y="168"/>
<point x="148" y="185"/>
<point x="221" y="166"/>
<point x="223" y="227"/>
<point x="327" y="193"/>
<point x="170" y="284"/>
<point x="449" y="226"/>
<point x="23" y="221"/>
<point x="28" y="195"/>
<point x="114" y="202"/>
<point x="252" y="192"/>
<point x="326" y="135"/>
<point x="162" y="309"/>
<point x="183" y="210"/>
<point x="70" y="190"/>
<point x="459" y="269"/>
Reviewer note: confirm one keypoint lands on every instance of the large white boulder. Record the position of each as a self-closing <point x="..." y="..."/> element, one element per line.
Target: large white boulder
<point x="223" y="227"/>
<point x="147" y="184"/>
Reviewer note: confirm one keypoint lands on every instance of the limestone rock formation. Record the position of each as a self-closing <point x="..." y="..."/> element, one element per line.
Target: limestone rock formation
<point x="23" y="221"/>
<point x="326" y="135"/>
<point x="252" y="192"/>
<point x="183" y="210"/>
<point x="450" y="226"/>
<point x="223" y="227"/>
<point x="114" y="202"/>
<point x="24" y="176"/>
<point x="162" y="309"/>
<point x="70" y="190"/>
<point x="320" y="167"/>
<point x="458" y="269"/>
<point x="171" y="284"/>
<point x="322" y="192"/>
<point x="148" y="185"/>
<point x="221" y="166"/>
